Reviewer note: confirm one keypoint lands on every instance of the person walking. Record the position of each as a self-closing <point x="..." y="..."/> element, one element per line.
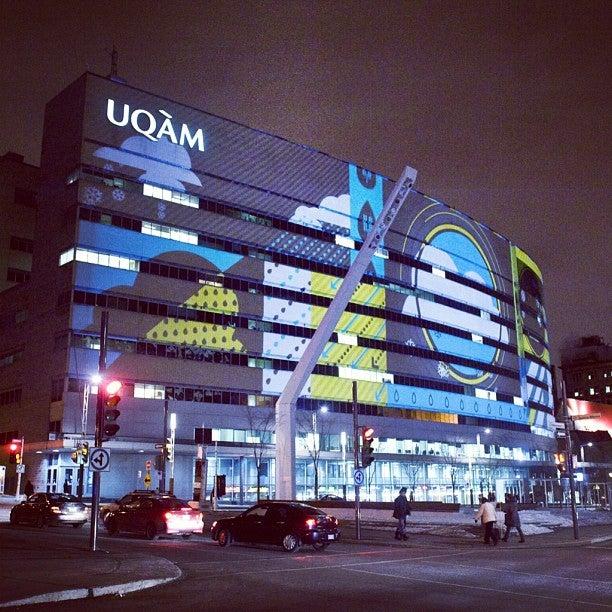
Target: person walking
<point x="29" y="488"/>
<point x="401" y="509"/>
<point x="486" y="514"/>
<point x="500" y="522"/>
<point x="513" y="519"/>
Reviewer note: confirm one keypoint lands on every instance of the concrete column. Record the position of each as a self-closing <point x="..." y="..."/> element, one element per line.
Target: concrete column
<point x="285" y="451"/>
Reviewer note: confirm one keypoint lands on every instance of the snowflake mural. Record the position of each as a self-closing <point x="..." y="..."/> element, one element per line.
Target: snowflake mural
<point x="93" y="195"/>
<point x="161" y="210"/>
<point x="442" y="370"/>
<point x="118" y="195"/>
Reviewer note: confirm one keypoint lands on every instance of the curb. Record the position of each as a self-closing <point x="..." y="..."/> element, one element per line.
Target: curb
<point x="91" y="592"/>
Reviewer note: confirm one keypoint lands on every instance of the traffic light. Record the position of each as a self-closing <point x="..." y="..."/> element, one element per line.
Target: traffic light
<point x="14" y="454"/>
<point x="74" y="455"/>
<point x="367" y="452"/>
<point x="111" y="414"/>
<point x="85" y="452"/>
<point x="561" y="462"/>
<point x="220" y="485"/>
<point x="169" y="450"/>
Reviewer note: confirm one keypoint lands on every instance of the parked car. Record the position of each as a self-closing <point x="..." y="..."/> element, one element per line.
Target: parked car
<point x="287" y="524"/>
<point x="43" y="509"/>
<point x="126" y="499"/>
<point x="155" y="515"/>
<point x="330" y="497"/>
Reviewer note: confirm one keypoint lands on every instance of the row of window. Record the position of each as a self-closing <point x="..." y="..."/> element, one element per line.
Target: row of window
<point x="229" y="210"/>
<point x="169" y="195"/>
<point x="126" y="263"/>
<point x="235" y="321"/>
<point x="25" y="245"/>
<point x="14" y="275"/>
<point x="245" y="250"/>
<point x="10" y="396"/>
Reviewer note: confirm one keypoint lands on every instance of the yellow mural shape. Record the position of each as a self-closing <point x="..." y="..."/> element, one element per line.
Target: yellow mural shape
<point x="196" y="333"/>
<point x="325" y="285"/>
<point x="354" y="356"/>
<point x="341" y="389"/>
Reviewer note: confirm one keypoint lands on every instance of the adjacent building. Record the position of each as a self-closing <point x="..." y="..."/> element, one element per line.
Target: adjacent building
<point x="216" y="249"/>
<point x="587" y="370"/>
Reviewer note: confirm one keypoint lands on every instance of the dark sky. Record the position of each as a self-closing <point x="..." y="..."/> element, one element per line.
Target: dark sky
<point x="503" y="107"/>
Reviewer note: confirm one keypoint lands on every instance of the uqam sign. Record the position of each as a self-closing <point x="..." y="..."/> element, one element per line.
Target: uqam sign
<point x="153" y="126"/>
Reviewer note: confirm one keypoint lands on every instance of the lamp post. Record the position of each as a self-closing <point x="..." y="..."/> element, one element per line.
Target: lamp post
<point x="316" y="446"/>
<point x="343" y="446"/>
<point x="172" y="442"/>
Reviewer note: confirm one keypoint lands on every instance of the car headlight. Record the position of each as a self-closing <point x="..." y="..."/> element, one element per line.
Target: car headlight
<point x="56" y="509"/>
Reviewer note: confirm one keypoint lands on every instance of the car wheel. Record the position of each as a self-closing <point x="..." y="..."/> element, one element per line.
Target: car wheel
<point x="318" y="546"/>
<point x="186" y="536"/>
<point x="77" y="525"/>
<point x="224" y="537"/>
<point x="291" y="543"/>
<point x="111" y="527"/>
<point x="151" y="531"/>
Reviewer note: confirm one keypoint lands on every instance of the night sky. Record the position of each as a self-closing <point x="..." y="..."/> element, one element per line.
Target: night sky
<point x="503" y="107"/>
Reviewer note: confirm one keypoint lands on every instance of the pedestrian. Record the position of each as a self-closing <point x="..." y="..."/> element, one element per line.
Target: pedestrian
<point x="513" y="519"/>
<point x="67" y="486"/>
<point x="486" y="514"/>
<point x="401" y="509"/>
<point x="500" y="521"/>
<point x="29" y="488"/>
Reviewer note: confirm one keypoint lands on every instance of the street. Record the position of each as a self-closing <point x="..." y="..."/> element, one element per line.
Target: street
<point x="420" y="575"/>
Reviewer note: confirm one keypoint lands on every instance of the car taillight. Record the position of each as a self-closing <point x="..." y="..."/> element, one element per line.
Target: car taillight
<point x="213" y="525"/>
<point x="168" y="515"/>
<point x="310" y="523"/>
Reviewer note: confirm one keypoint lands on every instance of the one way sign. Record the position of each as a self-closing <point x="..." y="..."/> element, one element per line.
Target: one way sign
<point x="99" y="459"/>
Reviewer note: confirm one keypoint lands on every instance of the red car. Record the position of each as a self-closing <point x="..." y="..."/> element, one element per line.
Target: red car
<point x="154" y="516"/>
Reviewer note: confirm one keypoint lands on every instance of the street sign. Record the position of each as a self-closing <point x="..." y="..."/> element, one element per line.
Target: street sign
<point x="99" y="459"/>
<point x="580" y="417"/>
<point x="358" y="477"/>
<point x="20" y="468"/>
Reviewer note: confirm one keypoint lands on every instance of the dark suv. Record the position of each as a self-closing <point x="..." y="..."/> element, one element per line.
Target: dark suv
<point x="287" y="524"/>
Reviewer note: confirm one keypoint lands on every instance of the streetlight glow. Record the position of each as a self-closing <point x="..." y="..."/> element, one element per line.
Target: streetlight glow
<point x="173" y="420"/>
<point x="95" y="379"/>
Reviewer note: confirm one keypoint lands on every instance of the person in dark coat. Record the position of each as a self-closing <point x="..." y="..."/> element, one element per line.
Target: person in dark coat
<point x="401" y="509"/>
<point x="512" y="519"/>
<point x="29" y="488"/>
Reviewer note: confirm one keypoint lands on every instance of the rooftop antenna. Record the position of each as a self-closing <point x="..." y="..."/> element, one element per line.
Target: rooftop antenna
<point x="114" y="55"/>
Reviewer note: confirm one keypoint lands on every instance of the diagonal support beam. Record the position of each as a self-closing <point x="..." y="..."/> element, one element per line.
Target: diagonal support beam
<point x="285" y="406"/>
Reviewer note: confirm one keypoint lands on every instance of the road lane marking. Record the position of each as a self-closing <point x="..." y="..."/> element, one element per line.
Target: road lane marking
<point x="509" y="571"/>
<point x="479" y="588"/>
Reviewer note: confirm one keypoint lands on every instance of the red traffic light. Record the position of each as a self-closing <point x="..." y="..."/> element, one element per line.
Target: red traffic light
<point x="113" y="387"/>
<point x="13" y="446"/>
<point x="368" y="433"/>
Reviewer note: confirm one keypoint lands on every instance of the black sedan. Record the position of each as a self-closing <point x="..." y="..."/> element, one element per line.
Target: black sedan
<point x="287" y="524"/>
<point x="154" y="516"/>
<point x="43" y="509"/>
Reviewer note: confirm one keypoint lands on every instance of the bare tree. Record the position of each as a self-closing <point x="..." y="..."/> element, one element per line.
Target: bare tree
<point x="454" y="463"/>
<point x="314" y="428"/>
<point x="261" y="423"/>
<point x="412" y="471"/>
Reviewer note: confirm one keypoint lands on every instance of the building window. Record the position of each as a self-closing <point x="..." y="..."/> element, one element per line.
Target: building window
<point x="589" y="377"/>
<point x="57" y="389"/>
<point x="10" y="396"/>
<point x="13" y="275"/>
<point x="170" y="233"/>
<point x="10" y="358"/>
<point x="149" y="391"/>
<point x="24" y="245"/>
<point x="171" y="196"/>
<point x="591" y="391"/>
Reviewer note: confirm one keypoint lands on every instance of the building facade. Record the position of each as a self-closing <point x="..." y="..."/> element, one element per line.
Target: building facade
<point x="216" y="249"/>
<point x="587" y="370"/>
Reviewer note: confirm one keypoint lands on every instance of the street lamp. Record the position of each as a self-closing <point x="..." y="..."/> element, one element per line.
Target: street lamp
<point x="589" y="444"/>
<point x="172" y="443"/>
<point x="344" y="469"/>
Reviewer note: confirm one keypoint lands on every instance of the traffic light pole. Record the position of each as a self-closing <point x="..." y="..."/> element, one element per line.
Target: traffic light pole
<point x="356" y="458"/>
<point x="18" y="490"/>
<point x="162" y="483"/>
<point x="95" y="492"/>
<point x="570" y="460"/>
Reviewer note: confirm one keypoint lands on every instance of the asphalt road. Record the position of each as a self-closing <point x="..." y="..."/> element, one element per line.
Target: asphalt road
<point x="351" y="577"/>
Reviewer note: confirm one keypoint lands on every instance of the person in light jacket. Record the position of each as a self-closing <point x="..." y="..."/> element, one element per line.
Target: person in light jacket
<point x="513" y="519"/>
<point x="486" y="514"/>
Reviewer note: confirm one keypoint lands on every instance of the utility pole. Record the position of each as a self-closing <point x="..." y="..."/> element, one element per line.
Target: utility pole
<point x="570" y="459"/>
<point x="356" y="459"/>
<point x="162" y="482"/>
<point x="95" y="495"/>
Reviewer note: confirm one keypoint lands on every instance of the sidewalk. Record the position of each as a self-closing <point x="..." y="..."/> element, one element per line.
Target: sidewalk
<point x="34" y="575"/>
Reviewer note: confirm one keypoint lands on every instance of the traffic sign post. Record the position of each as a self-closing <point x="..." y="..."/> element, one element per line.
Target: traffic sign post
<point x="358" y="477"/>
<point x="99" y="460"/>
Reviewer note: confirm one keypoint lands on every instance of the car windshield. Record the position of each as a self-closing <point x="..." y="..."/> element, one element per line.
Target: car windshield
<point x="60" y="498"/>
<point x="170" y="503"/>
